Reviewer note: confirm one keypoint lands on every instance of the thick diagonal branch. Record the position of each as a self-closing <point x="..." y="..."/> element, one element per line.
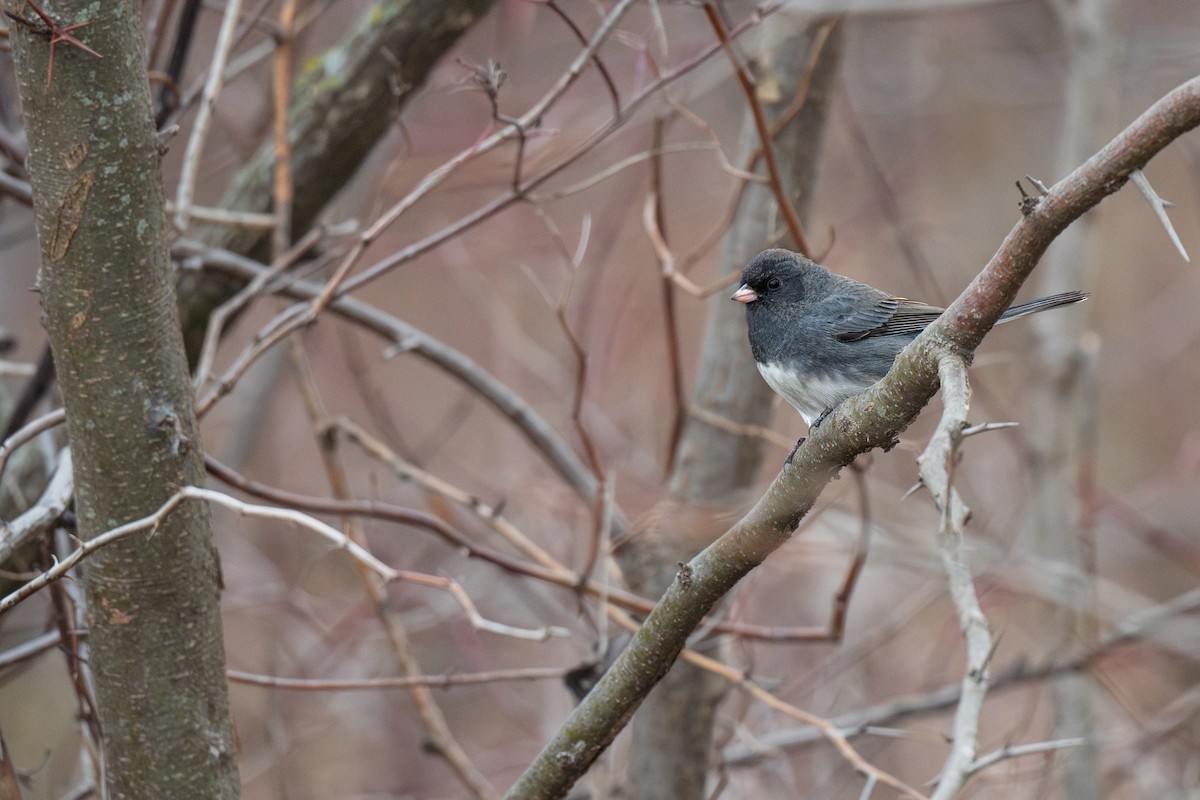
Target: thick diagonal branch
<point x="872" y="419"/>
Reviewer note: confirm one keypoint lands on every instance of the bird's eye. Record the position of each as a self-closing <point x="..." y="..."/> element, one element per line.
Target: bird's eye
<point x="774" y="284"/>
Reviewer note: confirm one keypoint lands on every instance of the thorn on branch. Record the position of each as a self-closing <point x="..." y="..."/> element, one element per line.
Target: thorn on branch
<point x="1160" y="207"/>
<point x="1042" y="188"/>
<point x="53" y="31"/>
<point x="984" y="427"/>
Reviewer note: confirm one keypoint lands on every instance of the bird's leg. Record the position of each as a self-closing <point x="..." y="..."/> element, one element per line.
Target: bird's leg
<point x="799" y="442"/>
<point x="817" y="422"/>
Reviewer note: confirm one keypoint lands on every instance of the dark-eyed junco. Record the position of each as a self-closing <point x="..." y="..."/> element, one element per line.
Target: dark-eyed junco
<point x="819" y="338"/>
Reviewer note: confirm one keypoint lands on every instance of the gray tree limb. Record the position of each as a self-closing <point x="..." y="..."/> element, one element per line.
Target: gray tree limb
<point x="869" y="420"/>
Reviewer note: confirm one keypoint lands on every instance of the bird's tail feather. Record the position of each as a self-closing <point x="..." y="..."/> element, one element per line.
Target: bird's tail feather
<point x="1042" y="304"/>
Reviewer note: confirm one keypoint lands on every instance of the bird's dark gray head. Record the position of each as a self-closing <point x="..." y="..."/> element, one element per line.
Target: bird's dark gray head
<point x="780" y="279"/>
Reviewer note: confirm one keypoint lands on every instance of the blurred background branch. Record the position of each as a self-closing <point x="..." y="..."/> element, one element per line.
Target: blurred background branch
<point x="544" y="203"/>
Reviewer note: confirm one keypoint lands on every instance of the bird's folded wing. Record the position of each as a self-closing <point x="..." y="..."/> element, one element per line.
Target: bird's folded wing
<point x="885" y="316"/>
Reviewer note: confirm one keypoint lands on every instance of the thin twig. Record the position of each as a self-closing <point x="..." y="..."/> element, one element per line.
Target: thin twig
<point x="1019" y="750"/>
<point x="740" y="428"/>
<point x="616" y="167"/>
<point x="281" y="94"/>
<point x="827" y="729"/>
<point x="667" y="294"/>
<point x="600" y="504"/>
<point x="30" y="649"/>
<point x="492" y="207"/>
<point x="151" y="522"/>
<point x="235" y="304"/>
<point x="405" y="682"/>
<point x="250" y="220"/>
<point x="666" y="258"/>
<point x="1134" y="628"/>
<point x="552" y="572"/>
<point x="858" y="559"/>
<point x="432" y="483"/>
<point x="405" y="338"/>
<point x="795" y="228"/>
<point x="45" y="512"/>
<point x="212" y="87"/>
<point x="338" y="283"/>
<point x="603" y="70"/>
<point x="70" y="617"/>
<point x="441" y="739"/>
<point x="745" y="174"/>
<point x="28" y="432"/>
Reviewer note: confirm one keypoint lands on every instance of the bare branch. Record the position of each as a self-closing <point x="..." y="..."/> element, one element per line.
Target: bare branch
<point x="30" y="649"/>
<point x="937" y="471"/>
<point x="871" y="419"/>
<point x="1018" y="750"/>
<point x="486" y="211"/>
<point x="45" y="512"/>
<point x="440" y="738"/>
<point x="795" y="229"/>
<point x="361" y="555"/>
<point x="199" y="135"/>
<point x="405" y="682"/>
<point x="1133" y="628"/>
<point x="408" y="339"/>
<point x="827" y="730"/>
<point x="28" y="432"/>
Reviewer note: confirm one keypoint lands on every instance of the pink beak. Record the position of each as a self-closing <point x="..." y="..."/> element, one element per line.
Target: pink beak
<point x="744" y="294"/>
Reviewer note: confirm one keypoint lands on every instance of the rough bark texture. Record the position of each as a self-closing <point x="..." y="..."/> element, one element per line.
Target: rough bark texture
<point x="673" y="731"/>
<point x="154" y="624"/>
<point x="343" y="103"/>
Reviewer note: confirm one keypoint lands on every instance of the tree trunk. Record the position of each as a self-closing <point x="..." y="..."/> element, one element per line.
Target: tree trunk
<point x="673" y="730"/>
<point x="344" y="102"/>
<point x="107" y="292"/>
<point x="1062" y="396"/>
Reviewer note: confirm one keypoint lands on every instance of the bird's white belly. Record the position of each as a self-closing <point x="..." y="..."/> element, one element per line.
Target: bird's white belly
<point x="808" y="394"/>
